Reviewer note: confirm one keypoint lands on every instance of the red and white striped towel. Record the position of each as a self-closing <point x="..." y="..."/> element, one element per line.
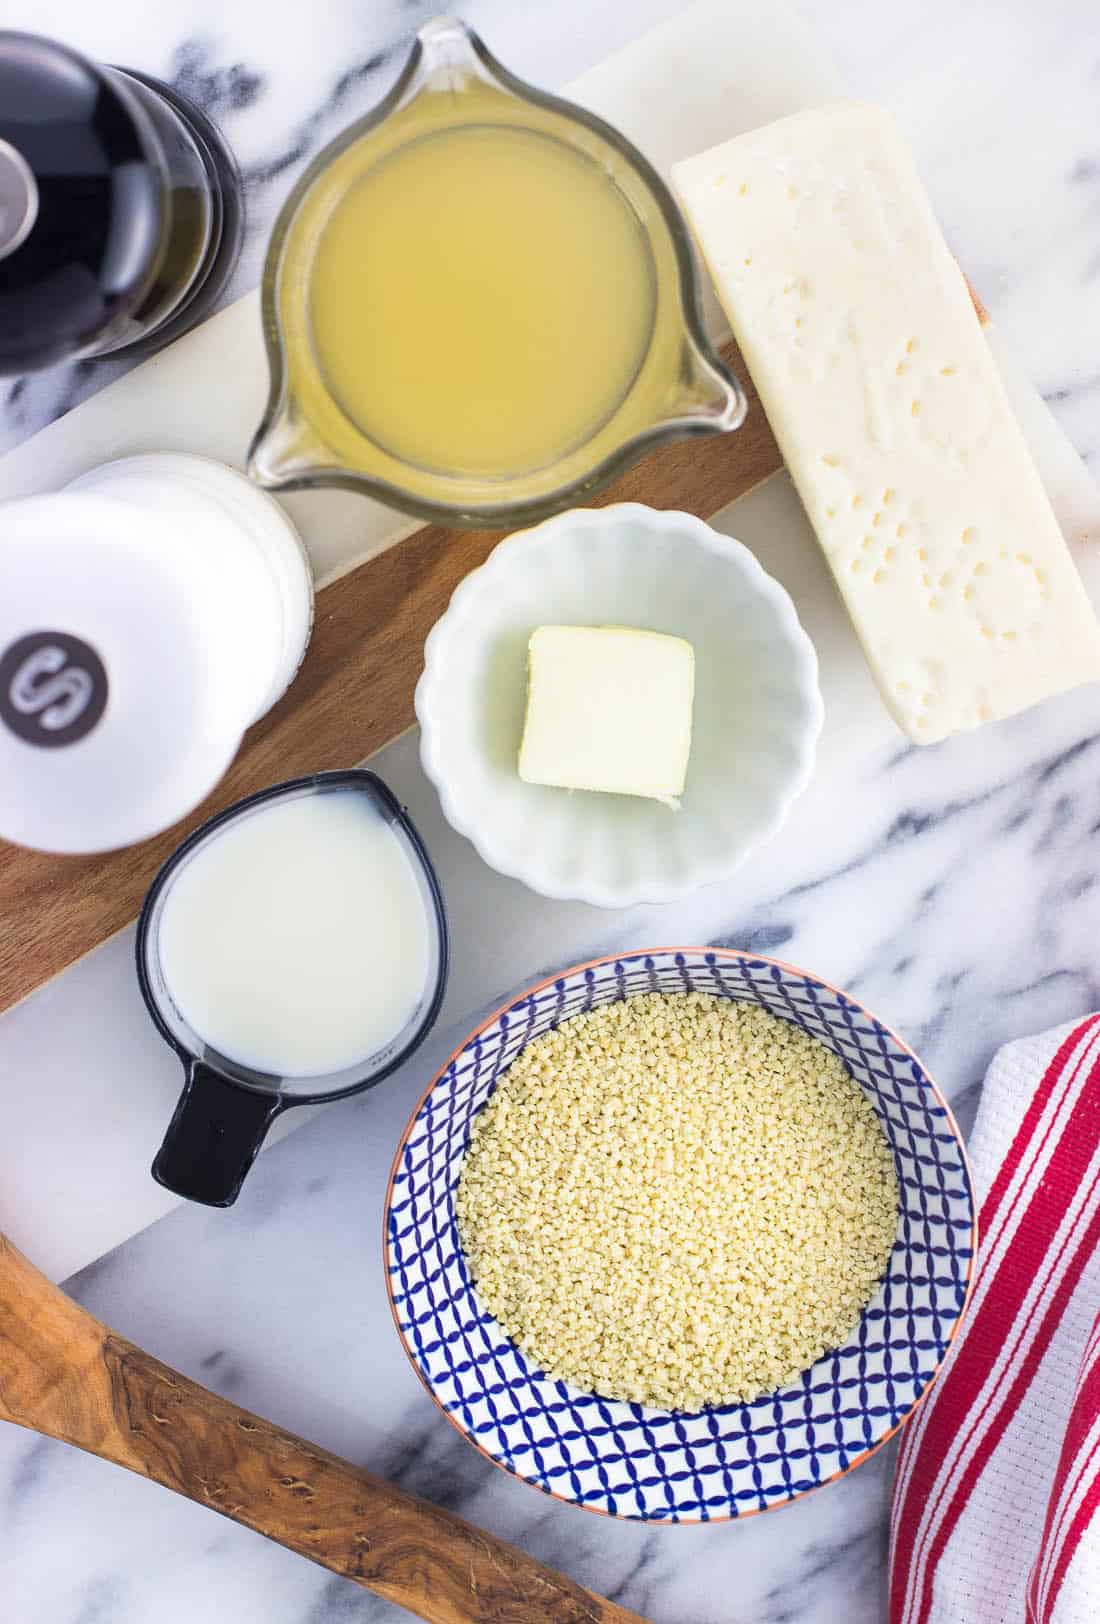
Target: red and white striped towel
<point x="997" y="1497"/>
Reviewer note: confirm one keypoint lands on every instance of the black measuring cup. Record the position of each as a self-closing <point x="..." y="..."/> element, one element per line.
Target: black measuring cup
<point x="226" y="1109"/>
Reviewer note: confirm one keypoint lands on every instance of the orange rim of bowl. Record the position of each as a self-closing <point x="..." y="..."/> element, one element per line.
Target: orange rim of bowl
<point x="619" y="958"/>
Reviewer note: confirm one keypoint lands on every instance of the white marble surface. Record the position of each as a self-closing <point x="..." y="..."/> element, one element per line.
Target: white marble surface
<point x="953" y="890"/>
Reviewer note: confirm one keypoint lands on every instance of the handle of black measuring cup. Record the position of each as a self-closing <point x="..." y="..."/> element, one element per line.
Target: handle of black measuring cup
<point x="213" y="1138"/>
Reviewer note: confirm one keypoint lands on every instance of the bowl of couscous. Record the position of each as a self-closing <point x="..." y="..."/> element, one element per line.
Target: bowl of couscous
<point x="680" y="1235"/>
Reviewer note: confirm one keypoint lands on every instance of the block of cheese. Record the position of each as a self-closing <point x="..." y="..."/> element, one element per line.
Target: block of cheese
<point x="861" y="337"/>
<point x="609" y="709"/>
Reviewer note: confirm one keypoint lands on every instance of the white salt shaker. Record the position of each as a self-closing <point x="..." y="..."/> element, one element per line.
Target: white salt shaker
<point x="149" y="613"/>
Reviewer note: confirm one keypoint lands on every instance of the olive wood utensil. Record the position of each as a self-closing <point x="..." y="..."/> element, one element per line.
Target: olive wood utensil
<point x="65" y="1375"/>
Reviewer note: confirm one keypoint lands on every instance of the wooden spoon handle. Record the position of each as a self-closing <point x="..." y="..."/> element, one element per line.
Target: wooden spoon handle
<point x="64" y="1374"/>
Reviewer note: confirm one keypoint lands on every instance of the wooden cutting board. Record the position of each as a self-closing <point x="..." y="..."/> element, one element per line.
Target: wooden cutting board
<point x="353" y="695"/>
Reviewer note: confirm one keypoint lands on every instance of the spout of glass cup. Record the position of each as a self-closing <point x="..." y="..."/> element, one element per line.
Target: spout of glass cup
<point x="445" y="53"/>
<point x="708" y="396"/>
<point x="286" y="453"/>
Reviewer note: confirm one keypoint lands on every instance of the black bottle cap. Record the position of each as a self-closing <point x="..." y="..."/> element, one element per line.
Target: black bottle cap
<point x="83" y="215"/>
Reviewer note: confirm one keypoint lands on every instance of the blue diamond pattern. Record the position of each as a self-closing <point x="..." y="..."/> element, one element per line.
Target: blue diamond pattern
<point x="622" y="1458"/>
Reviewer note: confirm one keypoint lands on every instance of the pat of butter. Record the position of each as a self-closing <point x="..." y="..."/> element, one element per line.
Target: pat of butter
<point x="861" y="337"/>
<point x="609" y="709"/>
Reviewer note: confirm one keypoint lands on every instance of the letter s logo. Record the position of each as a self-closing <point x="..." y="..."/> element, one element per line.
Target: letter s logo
<point x="43" y="683"/>
<point x="53" y="688"/>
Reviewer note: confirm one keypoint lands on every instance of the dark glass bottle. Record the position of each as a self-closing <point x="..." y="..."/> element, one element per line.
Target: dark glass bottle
<point x="120" y="207"/>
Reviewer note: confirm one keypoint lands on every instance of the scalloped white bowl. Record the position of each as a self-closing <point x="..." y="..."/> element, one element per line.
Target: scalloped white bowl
<point x="758" y="709"/>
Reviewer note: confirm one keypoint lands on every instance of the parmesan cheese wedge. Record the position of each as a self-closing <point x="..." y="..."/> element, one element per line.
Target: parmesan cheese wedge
<point x="862" y="339"/>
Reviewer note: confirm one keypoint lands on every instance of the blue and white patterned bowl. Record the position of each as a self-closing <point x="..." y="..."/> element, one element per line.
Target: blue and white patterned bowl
<point x="631" y="1461"/>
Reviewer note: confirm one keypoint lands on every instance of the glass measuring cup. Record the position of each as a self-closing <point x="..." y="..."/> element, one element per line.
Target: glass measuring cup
<point x="226" y="1107"/>
<point x="308" y="437"/>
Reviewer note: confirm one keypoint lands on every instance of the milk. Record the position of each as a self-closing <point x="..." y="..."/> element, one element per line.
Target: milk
<point x="297" y="940"/>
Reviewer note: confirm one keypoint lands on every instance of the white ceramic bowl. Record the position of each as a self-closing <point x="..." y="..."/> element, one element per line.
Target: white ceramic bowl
<point x="758" y="710"/>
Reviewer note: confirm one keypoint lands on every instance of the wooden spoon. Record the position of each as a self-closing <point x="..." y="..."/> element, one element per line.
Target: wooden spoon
<point x="64" y="1374"/>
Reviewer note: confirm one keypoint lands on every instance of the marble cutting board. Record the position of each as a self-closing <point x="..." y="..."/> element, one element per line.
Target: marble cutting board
<point x="74" y="1162"/>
